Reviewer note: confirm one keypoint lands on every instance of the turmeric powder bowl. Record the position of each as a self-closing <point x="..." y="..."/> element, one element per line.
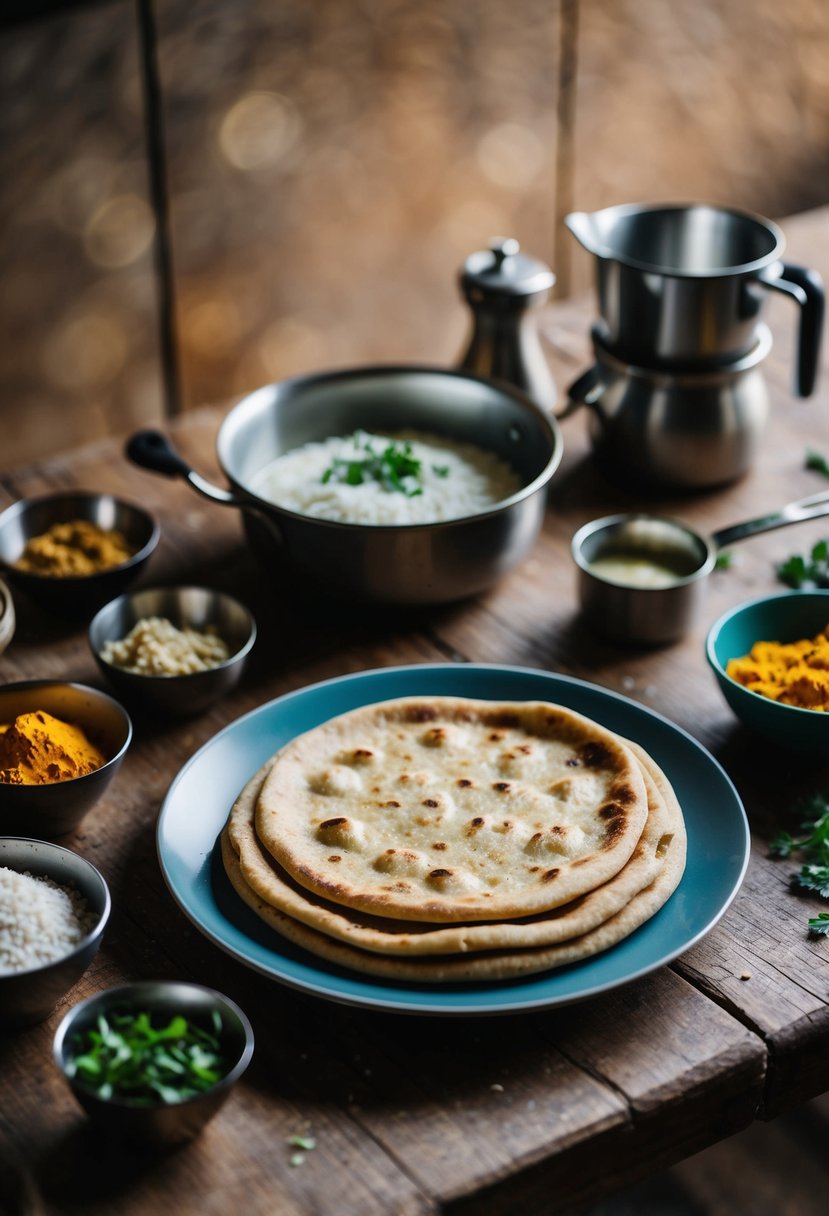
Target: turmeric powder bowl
<point x="73" y="551"/>
<point x="771" y="648"/>
<point x="61" y="745"/>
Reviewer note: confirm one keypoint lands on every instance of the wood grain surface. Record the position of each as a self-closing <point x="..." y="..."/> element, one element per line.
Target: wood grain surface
<point x="530" y="1113"/>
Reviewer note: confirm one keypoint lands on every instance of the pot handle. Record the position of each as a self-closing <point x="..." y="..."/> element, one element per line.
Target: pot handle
<point x="806" y="287"/>
<point x="152" y="450"/>
<point x="585" y="391"/>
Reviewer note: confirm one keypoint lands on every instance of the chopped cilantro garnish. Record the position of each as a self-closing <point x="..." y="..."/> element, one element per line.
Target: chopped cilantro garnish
<point x="394" y="468"/>
<point x="128" y="1056"/>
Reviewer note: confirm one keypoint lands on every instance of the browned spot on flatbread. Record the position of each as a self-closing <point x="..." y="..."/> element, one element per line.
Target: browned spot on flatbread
<point x="501" y="786"/>
<point x="419" y="713"/>
<point x="504" y="718"/>
<point x="625" y="794"/>
<point x="549" y="875"/>
<point x="339" y="822"/>
<point x="595" y="755"/>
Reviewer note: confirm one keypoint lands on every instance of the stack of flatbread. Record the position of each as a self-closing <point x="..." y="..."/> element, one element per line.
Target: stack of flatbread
<point x="442" y="839"/>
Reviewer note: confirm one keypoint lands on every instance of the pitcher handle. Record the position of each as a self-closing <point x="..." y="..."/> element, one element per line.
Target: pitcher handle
<point x="806" y="287"/>
<point x="586" y="390"/>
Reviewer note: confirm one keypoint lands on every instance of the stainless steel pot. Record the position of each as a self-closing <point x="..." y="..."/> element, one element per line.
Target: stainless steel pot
<point x="412" y="563"/>
<point x="683" y="430"/>
<point x="663" y="611"/>
<point x="685" y="285"/>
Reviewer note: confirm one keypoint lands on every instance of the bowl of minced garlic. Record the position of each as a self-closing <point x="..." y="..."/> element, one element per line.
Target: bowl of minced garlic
<point x="771" y="659"/>
<point x="61" y="745"/>
<point x="74" y="551"/>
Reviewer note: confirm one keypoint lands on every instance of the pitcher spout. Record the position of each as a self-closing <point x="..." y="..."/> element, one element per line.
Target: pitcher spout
<point x="586" y="230"/>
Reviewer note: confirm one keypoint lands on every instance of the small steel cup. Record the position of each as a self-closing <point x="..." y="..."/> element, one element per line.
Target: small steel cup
<point x="628" y="612"/>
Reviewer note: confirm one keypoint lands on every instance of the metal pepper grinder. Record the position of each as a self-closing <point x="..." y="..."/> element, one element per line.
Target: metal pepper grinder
<point x="503" y="287"/>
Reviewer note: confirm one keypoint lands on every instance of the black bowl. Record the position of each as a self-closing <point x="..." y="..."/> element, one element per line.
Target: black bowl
<point x="52" y="810"/>
<point x="76" y="596"/>
<point x="30" y="996"/>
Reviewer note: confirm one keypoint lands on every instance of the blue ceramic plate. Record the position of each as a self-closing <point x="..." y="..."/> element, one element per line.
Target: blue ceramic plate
<point x="199" y="799"/>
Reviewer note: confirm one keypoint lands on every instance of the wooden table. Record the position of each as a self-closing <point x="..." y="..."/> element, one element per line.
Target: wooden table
<point x="528" y="1113"/>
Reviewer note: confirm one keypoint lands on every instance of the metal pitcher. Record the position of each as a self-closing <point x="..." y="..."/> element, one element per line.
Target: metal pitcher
<point x="683" y="286"/>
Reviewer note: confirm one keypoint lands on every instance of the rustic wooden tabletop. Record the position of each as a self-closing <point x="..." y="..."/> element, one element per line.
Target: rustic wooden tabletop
<point x="533" y="1112"/>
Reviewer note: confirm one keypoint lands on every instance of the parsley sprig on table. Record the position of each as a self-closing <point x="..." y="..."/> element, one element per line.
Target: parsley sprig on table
<point x="811" y="571"/>
<point x="815" y="460"/>
<point x="813" y="849"/>
<point x="126" y="1056"/>
<point x="394" y="468"/>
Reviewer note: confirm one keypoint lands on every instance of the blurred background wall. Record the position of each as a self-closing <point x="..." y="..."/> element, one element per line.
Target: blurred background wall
<point x="328" y="164"/>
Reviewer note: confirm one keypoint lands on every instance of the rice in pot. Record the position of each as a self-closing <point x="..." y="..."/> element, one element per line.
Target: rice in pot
<point x="405" y="478"/>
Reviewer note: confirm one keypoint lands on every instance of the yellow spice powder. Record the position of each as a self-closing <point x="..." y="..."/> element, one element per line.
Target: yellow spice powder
<point x="794" y="673"/>
<point x="37" y="749"/>
<point x="74" y="549"/>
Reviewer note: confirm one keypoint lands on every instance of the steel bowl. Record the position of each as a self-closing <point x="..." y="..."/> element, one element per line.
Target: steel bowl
<point x="82" y="595"/>
<point x="54" y="809"/>
<point x="27" y="997"/>
<point x="162" y="1124"/>
<point x="193" y="607"/>
<point x="392" y="563"/>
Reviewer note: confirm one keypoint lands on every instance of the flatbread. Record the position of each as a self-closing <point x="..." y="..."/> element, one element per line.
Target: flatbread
<point x="446" y="809"/>
<point x="462" y="968"/>
<point x="271" y="883"/>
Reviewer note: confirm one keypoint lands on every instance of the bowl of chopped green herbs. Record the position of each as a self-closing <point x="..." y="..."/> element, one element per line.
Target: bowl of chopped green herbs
<point x="152" y="1062"/>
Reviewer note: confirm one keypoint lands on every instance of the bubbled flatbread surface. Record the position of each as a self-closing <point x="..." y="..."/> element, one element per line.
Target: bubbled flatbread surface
<point x="449" y="809"/>
<point x="267" y="880"/>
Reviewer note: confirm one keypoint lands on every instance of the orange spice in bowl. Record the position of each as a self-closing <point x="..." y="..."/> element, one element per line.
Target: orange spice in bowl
<point x="38" y="749"/>
<point x="793" y="673"/>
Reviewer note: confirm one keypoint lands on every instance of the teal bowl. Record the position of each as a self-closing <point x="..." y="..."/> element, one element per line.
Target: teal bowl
<point x="785" y="617"/>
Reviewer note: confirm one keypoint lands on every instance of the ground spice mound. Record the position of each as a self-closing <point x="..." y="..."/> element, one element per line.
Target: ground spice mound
<point x="38" y="749"/>
<point x="793" y="673"/>
<point x="74" y="549"/>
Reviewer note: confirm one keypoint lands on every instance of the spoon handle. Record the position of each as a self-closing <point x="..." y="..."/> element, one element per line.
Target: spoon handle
<point x="797" y="512"/>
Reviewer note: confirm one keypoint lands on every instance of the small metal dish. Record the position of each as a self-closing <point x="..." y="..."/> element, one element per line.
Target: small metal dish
<point x="76" y="596"/>
<point x="27" y="997"/>
<point x="193" y="607"/>
<point x="642" y="577"/>
<point x="163" y="1124"/>
<point x="53" y="810"/>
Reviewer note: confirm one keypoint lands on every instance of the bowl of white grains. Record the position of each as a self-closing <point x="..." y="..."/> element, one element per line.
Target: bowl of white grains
<point x="178" y="649"/>
<point x="54" y="907"/>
